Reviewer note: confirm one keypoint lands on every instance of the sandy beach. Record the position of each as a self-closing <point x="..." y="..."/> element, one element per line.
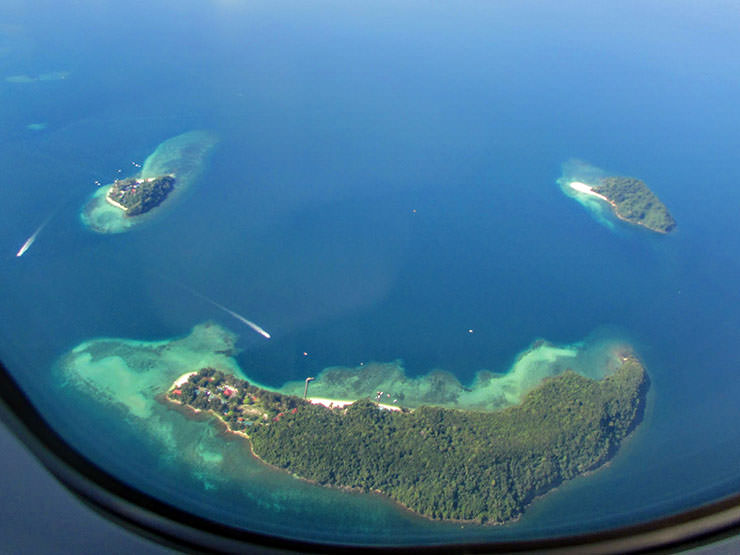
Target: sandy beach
<point x="113" y="202"/>
<point x="340" y="403"/>
<point x="587" y="189"/>
<point x="182" y="380"/>
<point x="328" y="403"/>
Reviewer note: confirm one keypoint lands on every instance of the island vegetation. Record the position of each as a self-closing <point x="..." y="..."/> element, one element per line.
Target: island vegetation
<point x="452" y="464"/>
<point x="136" y="195"/>
<point x="635" y="203"/>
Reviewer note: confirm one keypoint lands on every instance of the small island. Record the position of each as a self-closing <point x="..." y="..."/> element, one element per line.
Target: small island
<point x="635" y="203"/>
<point x="120" y="206"/>
<point x="137" y="196"/>
<point x="442" y="463"/>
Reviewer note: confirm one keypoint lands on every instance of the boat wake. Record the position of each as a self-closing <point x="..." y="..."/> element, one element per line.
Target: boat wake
<point x="241" y="318"/>
<point x="30" y="241"/>
<point x="255" y="327"/>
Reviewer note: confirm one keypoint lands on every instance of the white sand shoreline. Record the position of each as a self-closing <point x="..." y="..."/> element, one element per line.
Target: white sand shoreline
<point x="182" y="380"/>
<point x="113" y="202"/>
<point x="341" y="403"/>
<point x="328" y="403"/>
<point x="586" y="189"/>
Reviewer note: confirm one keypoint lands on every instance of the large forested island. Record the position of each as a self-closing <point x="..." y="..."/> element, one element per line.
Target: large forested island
<point x="136" y="195"/>
<point x="635" y="203"/>
<point x="442" y="463"/>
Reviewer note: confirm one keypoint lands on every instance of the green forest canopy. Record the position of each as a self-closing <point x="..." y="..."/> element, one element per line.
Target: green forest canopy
<point x="636" y="203"/>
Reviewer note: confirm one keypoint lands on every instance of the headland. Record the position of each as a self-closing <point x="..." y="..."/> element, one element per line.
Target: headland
<point x="630" y="199"/>
<point x="635" y="203"/>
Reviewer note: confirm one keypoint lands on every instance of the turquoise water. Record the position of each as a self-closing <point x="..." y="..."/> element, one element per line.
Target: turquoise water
<point x="385" y="181"/>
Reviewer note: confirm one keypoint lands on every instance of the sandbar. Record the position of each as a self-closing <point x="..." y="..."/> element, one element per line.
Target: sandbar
<point x="587" y="189"/>
<point x="182" y="380"/>
<point x="341" y="403"/>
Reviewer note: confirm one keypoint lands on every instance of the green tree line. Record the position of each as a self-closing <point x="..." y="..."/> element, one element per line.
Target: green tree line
<point x="636" y="203"/>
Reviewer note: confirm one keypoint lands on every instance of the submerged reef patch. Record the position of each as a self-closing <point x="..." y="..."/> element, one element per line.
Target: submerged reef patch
<point x="49" y="76"/>
<point x="127" y="378"/>
<point x="388" y="382"/>
<point x="130" y="373"/>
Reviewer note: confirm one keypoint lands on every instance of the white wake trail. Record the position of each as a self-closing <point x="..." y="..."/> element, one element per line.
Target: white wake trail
<point x="241" y="318"/>
<point x="32" y="238"/>
<point x="262" y="331"/>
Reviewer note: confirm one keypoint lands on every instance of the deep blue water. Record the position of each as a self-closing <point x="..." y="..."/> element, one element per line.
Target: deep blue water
<point x="385" y="181"/>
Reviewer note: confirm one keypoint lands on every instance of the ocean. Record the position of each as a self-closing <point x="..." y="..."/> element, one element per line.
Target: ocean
<point x="384" y="189"/>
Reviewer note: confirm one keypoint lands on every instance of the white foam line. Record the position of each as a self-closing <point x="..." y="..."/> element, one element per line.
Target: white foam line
<point x="263" y="332"/>
<point x="32" y="238"/>
<point x="236" y="315"/>
<point x="241" y="318"/>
